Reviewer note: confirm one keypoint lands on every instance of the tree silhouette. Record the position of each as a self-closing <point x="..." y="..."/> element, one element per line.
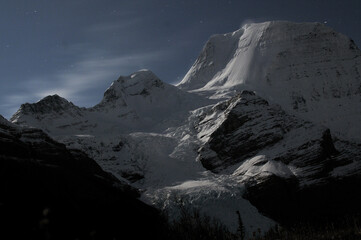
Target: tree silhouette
<point x="240" y="231"/>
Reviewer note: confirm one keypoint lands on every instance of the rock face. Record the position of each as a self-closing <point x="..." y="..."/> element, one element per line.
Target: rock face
<point x="51" y="192"/>
<point x="268" y="115"/>
<point x="290" y="167"/>
<point x="253" y="127"/>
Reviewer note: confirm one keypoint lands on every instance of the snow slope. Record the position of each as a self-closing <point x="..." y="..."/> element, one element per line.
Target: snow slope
<point x="307" y="68"/>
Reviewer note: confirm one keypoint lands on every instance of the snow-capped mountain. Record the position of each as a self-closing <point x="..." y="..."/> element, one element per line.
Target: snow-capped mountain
<point x="307" y="68"/>
<point x="267" y="117"/>
<point x="139" y="102"/>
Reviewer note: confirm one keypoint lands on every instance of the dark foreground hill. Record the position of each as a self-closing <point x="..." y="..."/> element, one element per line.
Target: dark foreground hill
<point x="50" y="192"/>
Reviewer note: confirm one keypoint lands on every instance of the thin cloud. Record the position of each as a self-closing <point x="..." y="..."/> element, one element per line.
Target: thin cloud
<point x="88" y="74"/>
<point x="92" y="69"/>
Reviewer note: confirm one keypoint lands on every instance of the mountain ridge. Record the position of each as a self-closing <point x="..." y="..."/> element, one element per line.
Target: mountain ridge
<point x="138" y="101"/>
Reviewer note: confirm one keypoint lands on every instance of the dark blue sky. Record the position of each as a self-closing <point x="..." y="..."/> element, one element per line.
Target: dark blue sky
<point x="76" y="48"/>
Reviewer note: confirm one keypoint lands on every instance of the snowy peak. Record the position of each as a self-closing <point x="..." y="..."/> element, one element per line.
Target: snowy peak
<point x="139" y="83"/>
<point x="246" y="55"/>
<point x="220" y="47"/>
<point x="50" y="105"/>
<point x="307" y="68"/>
<point x="44" y="113"/>
<point x="146" y="97"/>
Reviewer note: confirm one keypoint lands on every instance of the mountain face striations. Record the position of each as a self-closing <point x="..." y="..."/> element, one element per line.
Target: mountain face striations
<point x="266" y="122"/>
<point x="307" y="68"/>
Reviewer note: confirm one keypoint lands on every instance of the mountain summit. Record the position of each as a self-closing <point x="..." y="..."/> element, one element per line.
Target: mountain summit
<point x="138" y="83"/>
<point x="307" y="68"/>
<point x="261" y="54"/>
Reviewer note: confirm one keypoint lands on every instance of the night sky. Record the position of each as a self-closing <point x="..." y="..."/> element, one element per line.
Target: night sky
<point x="76" y="48"/>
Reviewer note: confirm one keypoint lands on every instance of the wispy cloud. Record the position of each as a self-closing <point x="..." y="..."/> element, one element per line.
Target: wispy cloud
<point x="90" y="67"/>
